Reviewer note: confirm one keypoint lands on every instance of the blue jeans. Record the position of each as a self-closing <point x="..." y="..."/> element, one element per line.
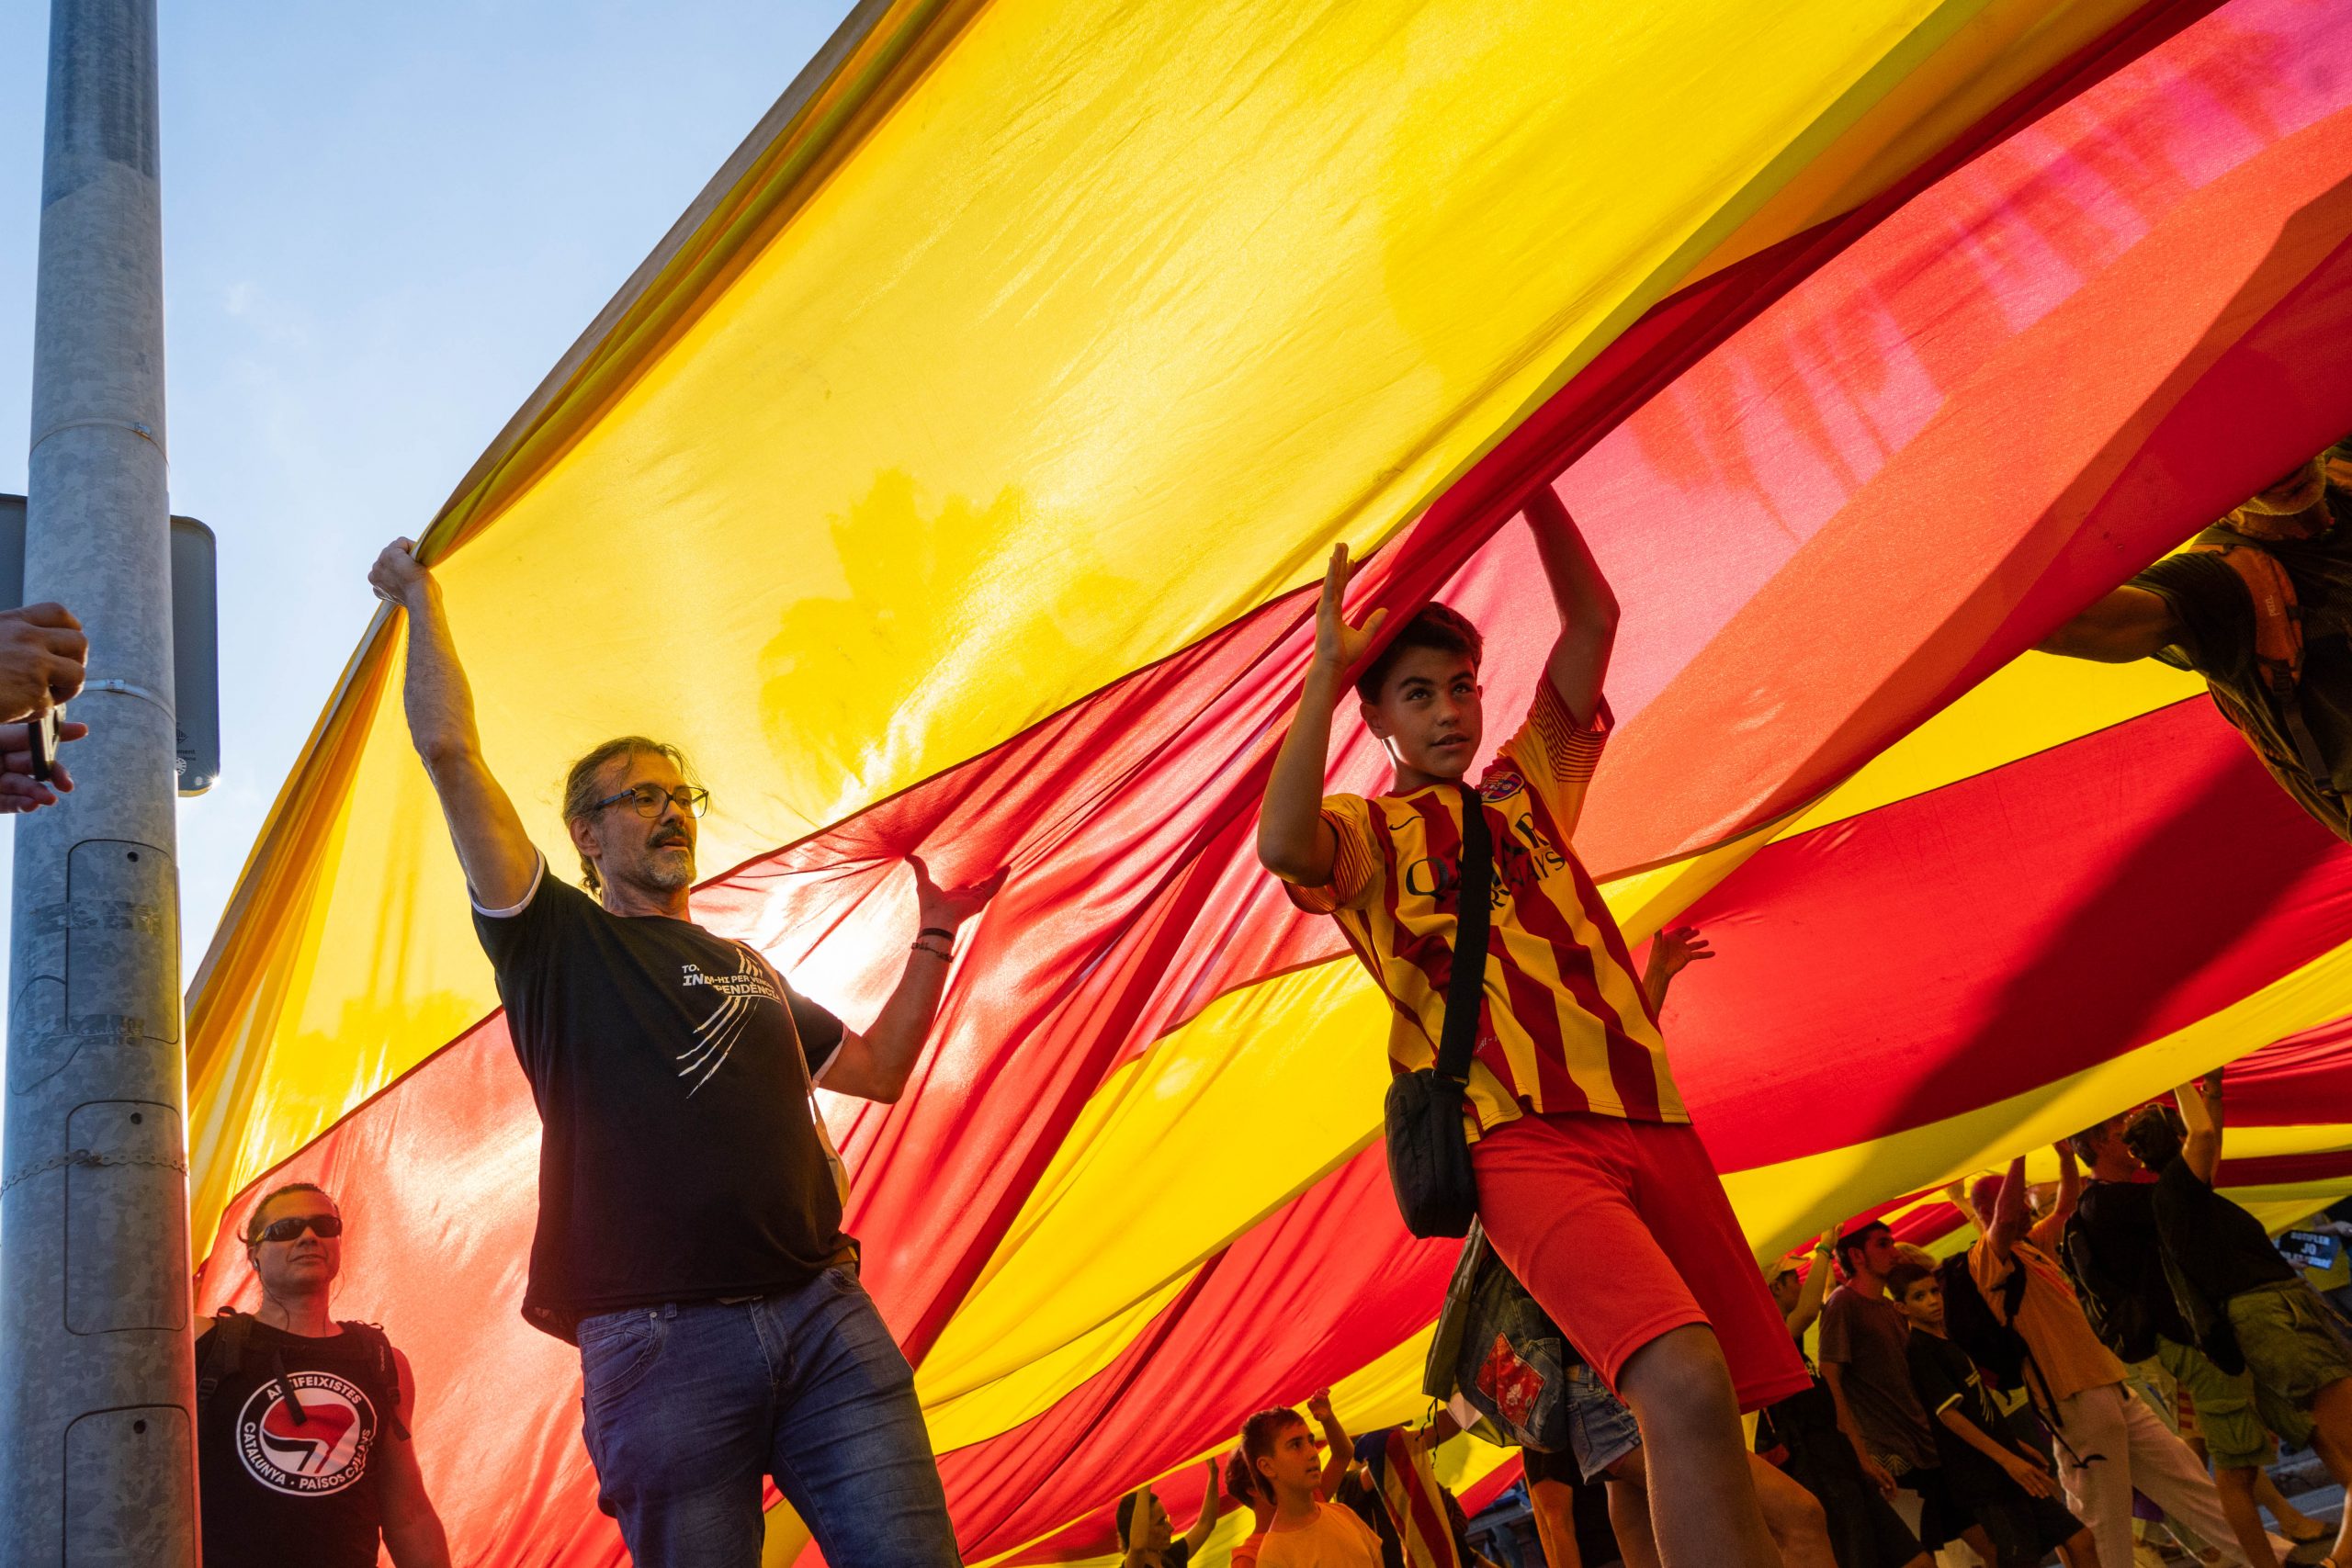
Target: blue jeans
<point x="687" y="1406"/>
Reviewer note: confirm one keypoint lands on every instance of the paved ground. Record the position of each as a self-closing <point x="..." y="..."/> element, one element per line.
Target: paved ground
<point x="2324" y="1503"/>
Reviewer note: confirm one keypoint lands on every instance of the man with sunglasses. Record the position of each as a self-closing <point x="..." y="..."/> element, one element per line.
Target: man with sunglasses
<point x="689" y="1234"/>
<point x="303" y="1424"/>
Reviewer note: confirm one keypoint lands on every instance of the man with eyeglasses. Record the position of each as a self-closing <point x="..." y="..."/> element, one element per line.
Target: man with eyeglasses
<point x="689" y="1235"/>
<point x="303" y="1424"/>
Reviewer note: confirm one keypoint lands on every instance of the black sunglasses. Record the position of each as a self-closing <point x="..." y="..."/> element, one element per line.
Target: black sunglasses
<point x="327" y="1227"/>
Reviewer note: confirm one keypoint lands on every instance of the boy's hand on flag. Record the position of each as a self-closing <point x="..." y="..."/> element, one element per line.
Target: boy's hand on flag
<point x="1674" y="951"/>
<point x="1336" y="644"/>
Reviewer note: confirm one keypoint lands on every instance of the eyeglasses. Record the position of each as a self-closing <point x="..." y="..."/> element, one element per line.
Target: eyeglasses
<point x="651" y="799"/>
<point x="326" y="1226"/>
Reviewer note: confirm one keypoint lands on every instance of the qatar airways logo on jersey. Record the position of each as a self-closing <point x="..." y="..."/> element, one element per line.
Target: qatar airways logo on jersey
<point x="317" y="1444"/>
<point x="1525" y="858"/>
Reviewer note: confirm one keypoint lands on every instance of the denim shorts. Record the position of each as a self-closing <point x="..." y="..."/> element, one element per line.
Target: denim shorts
<point x="1601" y="1429"/>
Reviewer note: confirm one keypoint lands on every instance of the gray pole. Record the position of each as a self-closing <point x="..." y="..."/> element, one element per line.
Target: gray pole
<point x="96" y="1384"/>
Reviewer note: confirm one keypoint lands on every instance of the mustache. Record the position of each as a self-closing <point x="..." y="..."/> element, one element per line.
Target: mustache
<point x="669" y="836"/>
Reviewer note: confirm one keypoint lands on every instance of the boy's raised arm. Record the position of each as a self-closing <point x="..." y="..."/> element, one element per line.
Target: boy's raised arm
<point x="1588" y="607"/>
<point x="1339" y="1454"/>
<point x="1196" y="1540"/>
<point x="499" y="857"/>
<point x="1293" y="841"/>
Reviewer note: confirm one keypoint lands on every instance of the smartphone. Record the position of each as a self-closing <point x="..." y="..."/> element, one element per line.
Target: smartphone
<point x="40" y="738"/>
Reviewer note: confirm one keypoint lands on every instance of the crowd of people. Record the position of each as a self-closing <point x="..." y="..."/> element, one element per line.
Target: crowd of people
<point x="2014" y="1397"/>
<point x="1906" y="1443"/>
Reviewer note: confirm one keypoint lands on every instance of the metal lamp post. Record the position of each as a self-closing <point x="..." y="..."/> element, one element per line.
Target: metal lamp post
<point x="96" y="1392"/>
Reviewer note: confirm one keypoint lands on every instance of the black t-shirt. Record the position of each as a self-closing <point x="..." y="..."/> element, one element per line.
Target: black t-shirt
<point x="2217" y="642"/>
<point x="300" y="1482"/>
<point x="2219" y="1249"/>
<point x="680" y="1159"/>
<point x="2119" y="1270"/>
<point x="1943" y="1375"/>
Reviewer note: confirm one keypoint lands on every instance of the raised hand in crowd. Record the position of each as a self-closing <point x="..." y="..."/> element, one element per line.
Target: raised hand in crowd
<point x="947" y="907"/>
<point x="1672" y="952"/>
<point x="1135" y="1527"/>
<point x="1800" y="1302"/>
<point x="1338" y="1454"/>
<point x="1196" y="1540"/>
<point x="1293" y="841"/>
<point x="878" y="1063"/>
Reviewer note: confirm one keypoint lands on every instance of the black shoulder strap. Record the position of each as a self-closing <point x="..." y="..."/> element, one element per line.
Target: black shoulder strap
<point x="1465" y="985"/>
<point x="224" y="1353"/>
<point x="386" y="1369"/>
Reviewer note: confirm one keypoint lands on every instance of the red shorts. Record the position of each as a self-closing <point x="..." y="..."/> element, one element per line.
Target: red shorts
<point x="1622" y="1231"/>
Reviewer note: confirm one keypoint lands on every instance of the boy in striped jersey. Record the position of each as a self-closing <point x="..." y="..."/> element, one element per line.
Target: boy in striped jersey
<point x="1592" y="1187"/>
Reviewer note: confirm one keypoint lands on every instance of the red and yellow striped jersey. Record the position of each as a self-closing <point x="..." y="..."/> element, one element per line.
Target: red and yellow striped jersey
<point x="1416" y="1504"/>
<point x="1565" y="1025"/>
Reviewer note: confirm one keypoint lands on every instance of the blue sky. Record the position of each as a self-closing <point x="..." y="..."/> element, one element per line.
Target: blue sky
<point x="382" y="225"/>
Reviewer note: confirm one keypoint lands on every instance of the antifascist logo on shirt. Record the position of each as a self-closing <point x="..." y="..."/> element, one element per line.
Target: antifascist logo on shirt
<point x="741" y="992"/>
<point x="317" y="1445"/>
<point x="1524" y="859"/>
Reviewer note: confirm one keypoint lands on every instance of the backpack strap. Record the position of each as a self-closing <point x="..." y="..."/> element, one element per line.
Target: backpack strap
<point x="2277" y="618"/>
<point x="833" y="1161"/>
<point x="2336" y="464"/>
<point x="387" y="1369"/>
<point x="2013" y="1297"/>
<point x="1466" y="984"/>
<point x="2278" y="638"/>
<point x="224" y="1354"/>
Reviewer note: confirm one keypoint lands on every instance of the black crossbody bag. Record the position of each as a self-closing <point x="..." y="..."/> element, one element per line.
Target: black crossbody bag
<point x="1428" y="1154"/>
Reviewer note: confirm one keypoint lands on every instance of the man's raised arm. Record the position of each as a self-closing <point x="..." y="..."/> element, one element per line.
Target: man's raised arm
<point x="2128" y="623"/>
<point x="2201" y="1108"/>
<point x="1293" y="841"/>
<point x="2007" y="1226"/>
<point x="497" y="854"/>
<point x="875" y="1065"/>
<point x="1587" y="604"/>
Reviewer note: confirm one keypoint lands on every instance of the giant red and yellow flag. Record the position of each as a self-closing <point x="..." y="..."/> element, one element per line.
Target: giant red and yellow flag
<point x="954" y="480"/>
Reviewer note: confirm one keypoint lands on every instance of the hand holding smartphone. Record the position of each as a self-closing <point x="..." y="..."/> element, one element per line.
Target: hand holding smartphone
<point x="41" y="740"/>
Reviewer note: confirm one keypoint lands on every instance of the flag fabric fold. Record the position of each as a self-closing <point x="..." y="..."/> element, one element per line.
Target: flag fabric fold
<point x="954" y="481"/>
